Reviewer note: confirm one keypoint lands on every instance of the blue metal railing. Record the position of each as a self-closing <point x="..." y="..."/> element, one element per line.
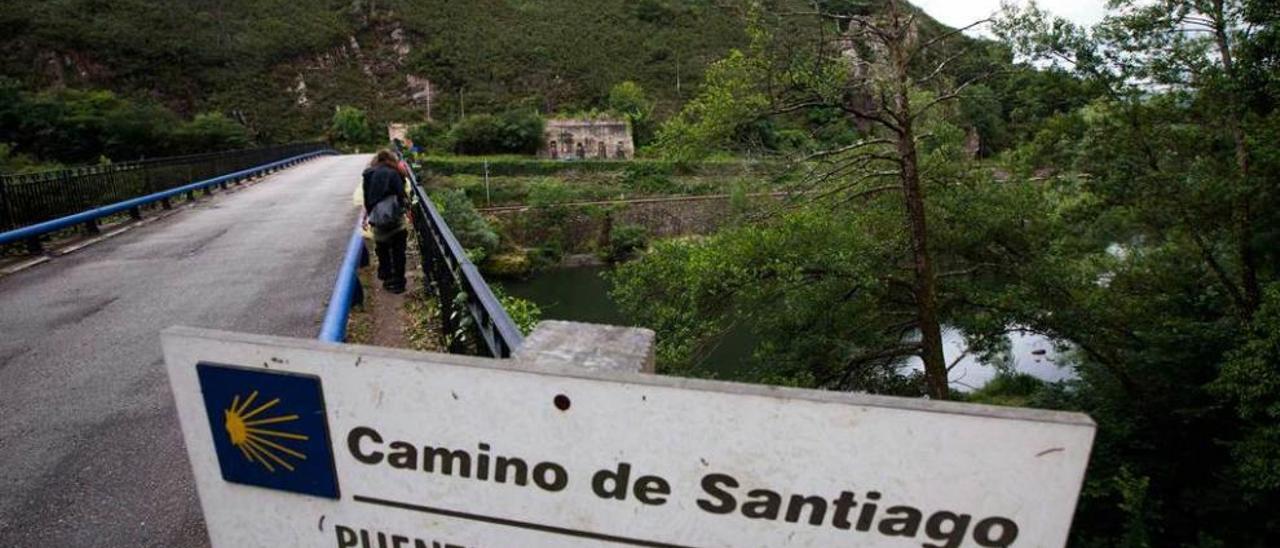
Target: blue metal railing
<point x="345" y="290"/>
<point x="35" y="197"/>
<point x="32" y="232"/>
<point x="466" y="302"/>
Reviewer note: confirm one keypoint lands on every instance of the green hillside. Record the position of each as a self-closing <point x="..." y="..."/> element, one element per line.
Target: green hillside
<point x="281" y="67"/>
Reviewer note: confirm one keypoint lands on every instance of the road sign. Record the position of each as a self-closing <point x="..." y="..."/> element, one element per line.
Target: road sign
<point x="431" y="450"/>
<point x="269" y="428"/>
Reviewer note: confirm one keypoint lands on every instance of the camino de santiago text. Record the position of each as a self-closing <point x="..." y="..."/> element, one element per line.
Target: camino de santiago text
<point x="870" y="512"/>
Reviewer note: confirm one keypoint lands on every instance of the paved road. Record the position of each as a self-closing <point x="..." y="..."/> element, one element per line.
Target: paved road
<point x="90" y="449"/>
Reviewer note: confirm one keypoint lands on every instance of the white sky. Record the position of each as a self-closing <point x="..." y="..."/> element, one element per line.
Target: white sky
<point x="958" y="13"/>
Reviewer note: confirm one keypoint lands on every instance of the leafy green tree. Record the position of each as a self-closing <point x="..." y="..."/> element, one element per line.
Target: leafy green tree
<point x="431" y="136"/>
<point x="525" y="313"/>
<point x="350" y="127"/>
<point x="1191" y="48"/>
<point x="80" y="126"/>
<point x="473" y="231"/>
<point x="981" y="110"/>
<point x="1159" y="272"/>
<point x="629" y="100"/>
<point x="211" y="132"/>
<point x="729" y="100"/>
<point x="890" y="82"/>
<point x="625" y="241"/>
<point x="512" y="132"/>
<point x="1250" y="380"/>
<point x="1126" y="229"/>
<point x="18" y="163"/>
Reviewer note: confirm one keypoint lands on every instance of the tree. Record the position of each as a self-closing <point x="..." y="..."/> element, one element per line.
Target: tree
<point x="1160" y="272"/>
<point x="472" y="230"/>
<point x="211" y="132"/>
<point x="350" y="127"/>
<point x="512" y="132"/>
<point x="886" y="76"/>
<point x="432" y="137"/>
<point x="629" y="100"/>
<point x="729" y="100"/>
<point x="1190" y="49"/>
<point x="82" y="126"/>
<point x="893" y="62"/>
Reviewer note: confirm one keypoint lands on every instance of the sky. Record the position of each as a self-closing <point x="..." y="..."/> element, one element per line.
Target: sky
<point x="958" y="13"/>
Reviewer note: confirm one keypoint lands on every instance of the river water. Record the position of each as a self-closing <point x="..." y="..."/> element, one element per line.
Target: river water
<point x="582" y="295"/>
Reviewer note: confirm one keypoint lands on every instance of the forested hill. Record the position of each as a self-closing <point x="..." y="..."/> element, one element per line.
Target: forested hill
<point x="281" y="66"/>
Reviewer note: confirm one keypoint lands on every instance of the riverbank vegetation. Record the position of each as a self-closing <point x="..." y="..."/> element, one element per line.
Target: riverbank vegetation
<point x="1122" y="200"/>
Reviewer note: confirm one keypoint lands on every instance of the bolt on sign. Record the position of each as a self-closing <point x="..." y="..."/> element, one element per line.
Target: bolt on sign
<point x="303" y="443"/>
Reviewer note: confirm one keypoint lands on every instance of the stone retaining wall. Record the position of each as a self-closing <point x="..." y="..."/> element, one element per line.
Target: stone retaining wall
<point x="585" y="226"/>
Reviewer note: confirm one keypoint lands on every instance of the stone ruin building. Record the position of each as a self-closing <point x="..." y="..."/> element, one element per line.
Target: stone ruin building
<point x="566" y="139"/>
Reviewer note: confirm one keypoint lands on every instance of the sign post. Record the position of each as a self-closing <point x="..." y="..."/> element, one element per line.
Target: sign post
<point x="303" y="443"/>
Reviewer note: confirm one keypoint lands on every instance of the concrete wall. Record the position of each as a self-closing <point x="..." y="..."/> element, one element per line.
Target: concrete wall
<point x="583" y="226"/>
<point x="396" y="131"/>
<point x="595" y="139"/>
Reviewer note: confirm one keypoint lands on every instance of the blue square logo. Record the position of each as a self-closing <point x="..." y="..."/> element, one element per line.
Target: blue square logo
<point x="269" y="428"/>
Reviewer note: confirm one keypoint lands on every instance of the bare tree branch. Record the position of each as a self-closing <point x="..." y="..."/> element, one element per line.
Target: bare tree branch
<point x="954" y="94"/>
<point x="946" y="36"/>
<point x="844" y="149"/>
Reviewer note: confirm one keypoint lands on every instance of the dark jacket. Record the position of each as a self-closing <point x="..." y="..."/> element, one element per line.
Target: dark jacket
<point x="381" y="181"/>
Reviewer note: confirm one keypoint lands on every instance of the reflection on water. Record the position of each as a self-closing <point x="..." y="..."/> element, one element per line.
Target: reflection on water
<point x="1032" y="354"/>
<point x="582" y="295"/>
<point x="573" y="294"/>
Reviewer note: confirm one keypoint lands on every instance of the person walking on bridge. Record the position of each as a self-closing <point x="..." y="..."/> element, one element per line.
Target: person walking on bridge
<point x="385" y="203"/>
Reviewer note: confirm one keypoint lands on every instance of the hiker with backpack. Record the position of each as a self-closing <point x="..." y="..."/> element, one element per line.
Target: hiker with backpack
<point x="385" y="203"/>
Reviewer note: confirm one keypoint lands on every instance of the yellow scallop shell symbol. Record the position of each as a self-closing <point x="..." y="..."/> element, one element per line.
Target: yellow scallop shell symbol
<point x="255" y="442"/>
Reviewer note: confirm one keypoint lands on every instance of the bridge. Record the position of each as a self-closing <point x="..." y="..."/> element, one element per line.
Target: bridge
<point x="91" y="447"/>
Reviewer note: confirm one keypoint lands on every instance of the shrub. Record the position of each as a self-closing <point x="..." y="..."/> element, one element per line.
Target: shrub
<point x="519" y="166"/>
<point x="650" y="178"/>
<point x="350" y="127"/>
<point x="11" y="162"/>
<point x="513" y="132"/>
<point x="625" y="241"/>
<point x="508" y="265"/>
<point x="524" y="312"/>
<point x="431" y="136"/>
<point x="630" y="101"/>
<point x="80" y="126"/>
<point x="546" y="256"/>
<point x="472" y="230"/>
<point x="211" y="132"/>
<point x="500" y="166"/>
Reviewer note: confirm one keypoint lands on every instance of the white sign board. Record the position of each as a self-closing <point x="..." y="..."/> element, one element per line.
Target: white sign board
<point x="430" y="450"/>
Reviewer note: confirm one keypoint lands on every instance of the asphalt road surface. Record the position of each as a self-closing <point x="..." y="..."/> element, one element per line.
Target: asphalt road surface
<point x="90" y="449"/>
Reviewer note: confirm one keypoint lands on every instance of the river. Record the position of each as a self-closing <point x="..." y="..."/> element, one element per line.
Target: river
<point x="582" y="295"/>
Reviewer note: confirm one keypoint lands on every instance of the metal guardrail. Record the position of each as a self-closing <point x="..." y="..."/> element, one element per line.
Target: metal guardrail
<point x="466" y="302"/>
<point x="32" y="198"/>
<point x="346" y="290"/>
<point x="32" y="233"/>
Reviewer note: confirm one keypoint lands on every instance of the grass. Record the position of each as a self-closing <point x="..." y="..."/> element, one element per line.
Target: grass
<point x="423" y="329"/>
<point x="526" y="190"/>
<point x="360" y="320"/>
<point x="509" y="165"/>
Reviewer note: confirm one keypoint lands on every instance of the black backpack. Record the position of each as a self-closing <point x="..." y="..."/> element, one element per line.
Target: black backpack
<point x="387" y="213"/>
